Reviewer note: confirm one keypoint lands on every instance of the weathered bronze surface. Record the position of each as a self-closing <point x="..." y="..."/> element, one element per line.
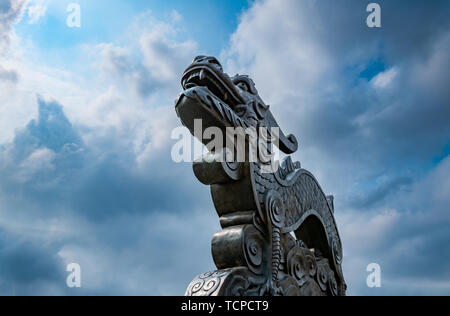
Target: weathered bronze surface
<point x="256" y="253"/>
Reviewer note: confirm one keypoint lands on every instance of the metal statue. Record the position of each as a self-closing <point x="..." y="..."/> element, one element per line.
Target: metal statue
<point x="279" y="234"/>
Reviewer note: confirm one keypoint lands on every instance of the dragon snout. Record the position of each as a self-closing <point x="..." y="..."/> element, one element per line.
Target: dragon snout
<point x="208" y="59"/>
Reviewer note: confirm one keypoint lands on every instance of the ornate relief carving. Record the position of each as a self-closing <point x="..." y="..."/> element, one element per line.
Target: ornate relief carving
<point x="255" y="253"/>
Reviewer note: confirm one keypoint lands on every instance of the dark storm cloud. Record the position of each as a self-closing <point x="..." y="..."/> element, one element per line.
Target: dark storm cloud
<point x="331" y="39"/>
<point x="409" y="28"/>
<point x="96" y="182"/>
<point x="27" y="263"/>
<point x="51" y="130"/>
<point x="49" y="174"/>
<point x="370" y="109"/>
<point x="381" y="192"/>
<point x="413" y="248"/>
<point x="27" y="267"/>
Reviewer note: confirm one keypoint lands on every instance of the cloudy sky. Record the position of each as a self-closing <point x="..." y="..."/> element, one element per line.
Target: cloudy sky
<point x="86" y="116"/>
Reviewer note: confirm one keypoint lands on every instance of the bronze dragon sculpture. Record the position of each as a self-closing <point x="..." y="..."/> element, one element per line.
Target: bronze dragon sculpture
<point x="279" y="234"/>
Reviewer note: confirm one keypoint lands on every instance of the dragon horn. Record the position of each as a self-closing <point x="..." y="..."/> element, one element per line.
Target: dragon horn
<point x="288" y="144"/>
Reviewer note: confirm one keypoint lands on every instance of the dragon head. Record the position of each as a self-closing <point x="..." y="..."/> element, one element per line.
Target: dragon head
<point x="223" y="101"/>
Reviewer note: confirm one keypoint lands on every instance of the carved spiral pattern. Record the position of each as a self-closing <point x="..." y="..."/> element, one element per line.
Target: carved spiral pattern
<point x="254" y="249"/>
<point x="301" y="265"/>
<point x="275" y="208"/>
<point x="229" y="282"/>
<point x="255" y="253"/>
<point x="211" y="285"/>
<point x="332" y="284"/>
<point x="206" y="284"/>
<point x="297" y="272"/>
<point x="301" y="193"/>
<point x="237" y="286"/>
<point x="322" y="276"/>
<point x="231" y="168"/>
<point x="337" y="251"/>
<point x="197" y="286"/>
<point x="314" y="276"/>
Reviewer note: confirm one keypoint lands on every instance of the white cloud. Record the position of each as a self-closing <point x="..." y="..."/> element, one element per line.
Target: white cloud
<point x="176" y="16"/>
<point x="363" y="231"/>
<point x="276" y="45"/>
<point x="384" y="79"/>
<point x="11" y="12"/>
<point x="165" y="57"/>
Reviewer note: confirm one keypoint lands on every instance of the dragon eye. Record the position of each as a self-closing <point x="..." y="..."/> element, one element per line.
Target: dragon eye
<point x="216" y="63"/>
<point x="243" y="86"/>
